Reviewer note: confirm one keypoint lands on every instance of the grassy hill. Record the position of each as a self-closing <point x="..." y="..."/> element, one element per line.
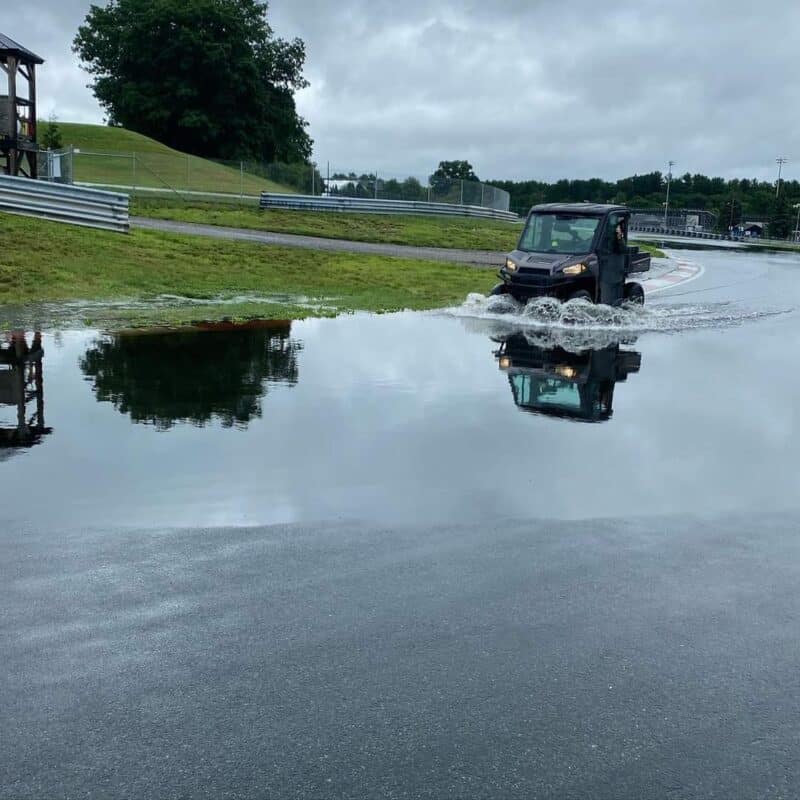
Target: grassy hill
<point x="119" y="157"/>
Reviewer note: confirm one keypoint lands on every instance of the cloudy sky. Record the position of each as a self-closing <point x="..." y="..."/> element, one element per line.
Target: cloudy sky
<point x="522" y="88"/>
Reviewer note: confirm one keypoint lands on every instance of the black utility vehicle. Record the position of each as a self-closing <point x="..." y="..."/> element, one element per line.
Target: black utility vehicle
<point x="574" y="250"/>
<point x="559" y="383"/>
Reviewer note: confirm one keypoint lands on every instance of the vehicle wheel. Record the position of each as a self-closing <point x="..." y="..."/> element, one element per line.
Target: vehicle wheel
<point x="501" y="288"/>
<point x="581" y="294"/>
<point x="634" y="293"/>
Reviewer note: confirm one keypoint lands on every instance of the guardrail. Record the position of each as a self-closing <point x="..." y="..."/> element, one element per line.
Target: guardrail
<point x="74" y="205"/>
<point x="678" y="232"/>
<point x="299" y="202"/>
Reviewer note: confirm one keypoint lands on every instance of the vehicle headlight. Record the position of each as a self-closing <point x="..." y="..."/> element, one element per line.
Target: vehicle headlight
<point x="565" y="371"/>
<point x="505" y="362"/>
<point x="574" y="269"/>
<point x="510" y="265"/>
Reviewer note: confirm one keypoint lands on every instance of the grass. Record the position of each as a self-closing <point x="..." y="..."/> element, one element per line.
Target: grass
<point x="106" y="158"/>
<point x="465" y="233"/>
<point x="44" y="262"/>
<point x="452" y="232"/>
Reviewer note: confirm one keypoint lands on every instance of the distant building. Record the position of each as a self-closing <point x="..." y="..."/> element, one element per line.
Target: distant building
<point x="749" y="230"/>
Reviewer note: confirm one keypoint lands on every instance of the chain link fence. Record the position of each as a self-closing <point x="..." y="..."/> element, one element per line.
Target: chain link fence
<point x="432" y="190"/>
<point x="187" y="177"/>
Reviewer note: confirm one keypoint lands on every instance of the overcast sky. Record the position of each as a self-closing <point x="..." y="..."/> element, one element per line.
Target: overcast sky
<point x="522" y="88"/>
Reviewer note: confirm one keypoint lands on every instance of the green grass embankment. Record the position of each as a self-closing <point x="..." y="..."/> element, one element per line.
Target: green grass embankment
<point x="104" y="156"/>
<point x="46" y="262"/>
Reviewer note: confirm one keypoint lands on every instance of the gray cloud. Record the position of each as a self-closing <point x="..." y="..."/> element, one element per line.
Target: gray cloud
<point x="522" y="89"/>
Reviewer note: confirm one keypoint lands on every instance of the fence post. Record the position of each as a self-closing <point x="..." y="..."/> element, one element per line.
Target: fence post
<point x="134" y="171"/>
<point x="376" y="184"/>
<point x="462" y="192"/>
<point x="241" y="181"/>
<point x="188" y="171"/>
<point x="483" y="189"/>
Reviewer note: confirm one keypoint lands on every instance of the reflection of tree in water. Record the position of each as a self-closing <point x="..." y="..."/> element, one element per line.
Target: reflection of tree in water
<point x="219" y="372"/>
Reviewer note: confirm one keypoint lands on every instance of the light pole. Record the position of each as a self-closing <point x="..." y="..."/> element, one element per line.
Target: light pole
<point x="780" y="162"/>
<point x="669" y="179"/>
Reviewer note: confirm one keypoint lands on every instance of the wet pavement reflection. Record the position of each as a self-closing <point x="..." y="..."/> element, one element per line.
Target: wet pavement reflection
<point x="409" y="418"/>
<point x="22" y="390"/>
<point x="215" y="372"/>
<point x="556" y="382"/>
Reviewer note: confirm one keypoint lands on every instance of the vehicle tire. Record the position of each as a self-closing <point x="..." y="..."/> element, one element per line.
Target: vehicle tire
<point x="581" y="294"/>
<point x="634" y="293"/>
<point x="501" y="288"/>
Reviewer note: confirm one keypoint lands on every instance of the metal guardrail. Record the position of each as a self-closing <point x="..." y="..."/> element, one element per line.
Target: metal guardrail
<point x="74" y="205"/>
<point x="298" y="202"/>
<point x="678" y="232"/>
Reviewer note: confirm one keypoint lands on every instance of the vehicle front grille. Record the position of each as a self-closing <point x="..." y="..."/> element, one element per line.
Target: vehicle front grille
<point x="534" y="270"/>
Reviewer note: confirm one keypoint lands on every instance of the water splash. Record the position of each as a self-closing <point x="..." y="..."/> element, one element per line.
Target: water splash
<point x="548" y="313"/>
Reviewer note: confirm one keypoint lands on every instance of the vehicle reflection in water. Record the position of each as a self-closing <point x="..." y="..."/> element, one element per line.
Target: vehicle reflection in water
<point x="212" y="372"/>
<point x="560" y="383"/>
<point x="22" y="388"/>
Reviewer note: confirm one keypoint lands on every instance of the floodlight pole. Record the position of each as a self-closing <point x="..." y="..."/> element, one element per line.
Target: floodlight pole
<point x="780" y="162"/>
<point x="669" y="180"/>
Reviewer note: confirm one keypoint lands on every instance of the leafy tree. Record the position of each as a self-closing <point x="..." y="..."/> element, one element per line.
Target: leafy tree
<point x="205" y="76"/>
<point x="192" y="376"/>
<point x="730" y="214"/>
<point x="780" y="221"/>
<point x="51" y="139"/>
<point x="450" y="171"/>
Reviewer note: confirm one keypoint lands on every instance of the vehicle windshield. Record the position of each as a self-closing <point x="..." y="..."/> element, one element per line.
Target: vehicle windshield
<point x="570" y="234"/>
<point x="546" y="393"/>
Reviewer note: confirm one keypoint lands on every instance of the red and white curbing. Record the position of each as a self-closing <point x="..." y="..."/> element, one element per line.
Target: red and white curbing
<point x="684" y="272"/>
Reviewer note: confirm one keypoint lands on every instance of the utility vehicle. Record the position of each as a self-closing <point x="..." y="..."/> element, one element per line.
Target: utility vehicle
<point x="574" y="250"/>
<point x="558" y="383"/>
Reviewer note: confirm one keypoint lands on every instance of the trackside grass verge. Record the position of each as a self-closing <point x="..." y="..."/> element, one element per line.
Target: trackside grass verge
<point x="44" y="262"/>
<point x="457" y="233"/>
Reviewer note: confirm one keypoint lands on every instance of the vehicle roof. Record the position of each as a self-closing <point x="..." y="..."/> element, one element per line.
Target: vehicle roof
<point x="589" y="209"/>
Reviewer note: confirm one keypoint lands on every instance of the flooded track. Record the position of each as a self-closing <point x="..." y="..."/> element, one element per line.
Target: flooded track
<point x="491" y="551"/>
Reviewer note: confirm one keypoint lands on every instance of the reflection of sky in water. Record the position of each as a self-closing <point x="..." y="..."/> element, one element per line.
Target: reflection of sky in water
<point x="407" y="418"/>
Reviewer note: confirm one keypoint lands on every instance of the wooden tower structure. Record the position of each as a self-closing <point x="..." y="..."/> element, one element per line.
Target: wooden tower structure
<point x="21" y="383"/>
<point x="18" y="148"/>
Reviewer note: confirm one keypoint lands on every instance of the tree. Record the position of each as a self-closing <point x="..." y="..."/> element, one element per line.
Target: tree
<point x="192" y="376"/>
<point x="780" y="220"/>
<point x="454" y="170"/>
<point x="205" y="76"/>
<point x="51" y="139"/>
<point x="730" y="214"/>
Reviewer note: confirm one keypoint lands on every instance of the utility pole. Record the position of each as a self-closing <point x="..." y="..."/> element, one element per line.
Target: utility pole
<point x="797" y="224"/>
<point x="780" y="162"/>
<point x="669" y="180"/>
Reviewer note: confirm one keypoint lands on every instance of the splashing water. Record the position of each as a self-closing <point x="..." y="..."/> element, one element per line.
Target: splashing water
<point x="548" y="313"/>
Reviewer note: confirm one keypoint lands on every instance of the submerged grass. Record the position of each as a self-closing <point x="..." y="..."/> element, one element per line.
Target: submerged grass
<point x="44" y="262"/>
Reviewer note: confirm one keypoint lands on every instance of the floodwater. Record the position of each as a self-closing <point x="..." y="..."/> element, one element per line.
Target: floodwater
<point x="406" y="418"/>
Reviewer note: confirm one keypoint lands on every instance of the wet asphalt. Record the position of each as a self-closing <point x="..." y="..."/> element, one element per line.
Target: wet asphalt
<point x="606" y="659"/>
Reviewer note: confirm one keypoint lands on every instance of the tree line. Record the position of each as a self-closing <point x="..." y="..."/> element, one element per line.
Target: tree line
<point x="733" y="201"/>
